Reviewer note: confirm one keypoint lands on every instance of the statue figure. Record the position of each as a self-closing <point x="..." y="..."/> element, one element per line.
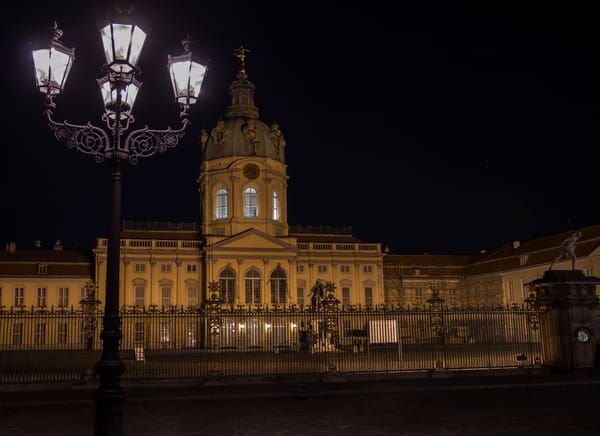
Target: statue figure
<point x="317" y="294"/>
<point x="567" y="248"/>
<point x="278" y="140"/>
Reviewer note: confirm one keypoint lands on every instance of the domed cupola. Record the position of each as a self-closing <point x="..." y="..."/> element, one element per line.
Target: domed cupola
<point x="243" y="175"/>
<point x="242" y="133"/>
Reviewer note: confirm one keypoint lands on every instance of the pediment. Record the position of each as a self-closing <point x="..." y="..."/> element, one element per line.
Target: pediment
<point x="253" y="239"/>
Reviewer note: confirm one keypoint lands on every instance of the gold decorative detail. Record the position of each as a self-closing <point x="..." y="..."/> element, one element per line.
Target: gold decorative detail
<point x="278" y="140"/>
<point x="240" y="53"/>
<point x="219" y="133"/>
<point x="250" y="133"/>
<point x="251" y="171"/>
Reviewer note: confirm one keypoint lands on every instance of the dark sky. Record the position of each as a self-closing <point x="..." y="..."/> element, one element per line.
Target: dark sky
<point x="439" y="127"/>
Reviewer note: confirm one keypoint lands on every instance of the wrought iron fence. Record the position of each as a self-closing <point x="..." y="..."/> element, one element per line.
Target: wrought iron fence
<point x="63" y="345"/>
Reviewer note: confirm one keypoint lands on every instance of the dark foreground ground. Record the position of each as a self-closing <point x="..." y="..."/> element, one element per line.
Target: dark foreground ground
<point x="525" y="404"/>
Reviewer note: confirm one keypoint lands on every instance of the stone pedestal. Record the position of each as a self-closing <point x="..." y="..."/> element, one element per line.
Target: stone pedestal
<point x="568" y="318"/>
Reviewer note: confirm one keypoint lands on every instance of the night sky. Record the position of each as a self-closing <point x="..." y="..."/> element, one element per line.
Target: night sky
<point x="438" y="127"/>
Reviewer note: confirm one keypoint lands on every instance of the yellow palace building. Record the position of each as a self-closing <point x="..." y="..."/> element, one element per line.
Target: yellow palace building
<point x="244" y="242"/>
<point x="245" y="245"/>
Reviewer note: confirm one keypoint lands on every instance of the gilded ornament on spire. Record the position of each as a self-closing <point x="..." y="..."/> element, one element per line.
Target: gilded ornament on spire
<point x="240" y="53"/>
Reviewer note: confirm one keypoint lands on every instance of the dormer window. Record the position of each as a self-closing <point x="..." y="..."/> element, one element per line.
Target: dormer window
<point x="43" y="268"/>
<point x="523" y="259"/>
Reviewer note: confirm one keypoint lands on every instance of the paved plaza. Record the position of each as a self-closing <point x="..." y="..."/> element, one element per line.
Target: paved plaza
<point x="546" y="404"/>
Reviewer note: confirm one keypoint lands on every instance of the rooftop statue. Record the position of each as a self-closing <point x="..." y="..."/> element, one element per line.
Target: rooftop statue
<point x="567" y="249"/>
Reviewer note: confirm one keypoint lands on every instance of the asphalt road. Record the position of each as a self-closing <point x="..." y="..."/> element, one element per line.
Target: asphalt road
<point x="565" y="405"/>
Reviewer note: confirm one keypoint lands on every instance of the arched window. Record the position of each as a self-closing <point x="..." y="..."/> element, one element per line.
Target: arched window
<point x="227" y="285"/>
<point x="222" y="211"/>
<point x="275" y="206"/>
<point x="252" y="280"/>
<point x="278" y="287"/>
<point x="250" y="208"/>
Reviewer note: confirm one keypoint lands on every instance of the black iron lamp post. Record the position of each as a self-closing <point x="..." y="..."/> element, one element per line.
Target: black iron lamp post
<point x="122" y="44"/>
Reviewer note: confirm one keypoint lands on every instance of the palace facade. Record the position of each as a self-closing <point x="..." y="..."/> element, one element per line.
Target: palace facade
<point x="245" y="245"/>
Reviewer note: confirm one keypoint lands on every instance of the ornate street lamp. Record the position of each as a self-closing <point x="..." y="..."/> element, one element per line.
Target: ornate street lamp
<point x="122" y="44"/>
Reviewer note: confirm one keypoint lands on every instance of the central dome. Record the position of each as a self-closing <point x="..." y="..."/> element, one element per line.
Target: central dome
<point x="242" y="133"/>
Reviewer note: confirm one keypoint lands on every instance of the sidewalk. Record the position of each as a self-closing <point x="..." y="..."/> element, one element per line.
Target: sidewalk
<point x="441" y="404"/>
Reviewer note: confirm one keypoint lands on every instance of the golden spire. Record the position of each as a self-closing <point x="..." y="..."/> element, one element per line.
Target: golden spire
<point x="240" y="53"/>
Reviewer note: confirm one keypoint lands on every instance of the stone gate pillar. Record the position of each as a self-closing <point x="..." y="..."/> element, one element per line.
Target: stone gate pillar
<point x="568" y="318"/>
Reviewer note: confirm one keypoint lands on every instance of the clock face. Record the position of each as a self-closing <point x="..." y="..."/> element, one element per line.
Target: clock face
<point x="251" y="171"/>
<point x="583" y="335"/>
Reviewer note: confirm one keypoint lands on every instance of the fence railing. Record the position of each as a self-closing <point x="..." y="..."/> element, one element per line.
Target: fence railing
<point x="64" y="345"/>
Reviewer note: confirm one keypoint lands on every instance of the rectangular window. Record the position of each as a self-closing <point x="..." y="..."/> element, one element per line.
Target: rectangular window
<point x="300" y="296"/>
<point x="165" y="267"/>
<point x="63" y="297"/>
<point x="275" y="206"/>
<point x="369" y="296"/>
<point x="221" y="204"/>
<point x="192" y="267"/>
<point x="140" y="267"/>
<point x="140" y="294"/>
<point x="40" y="297"/>
<point x="346" y="297"/>
<point x="82" y="294"/>
<point x="299" y="268"/>
<point x="62" y="333"/>
<point x="39" y="334"/>
<point x="19" y="297"/>
<point x="17" y="337"/>
<point x="165" y="296"/>
<point x="165" y="332"/>
<point x="42" y="268"/>
<point x="367" y="268"/>
<point x="510" y="289"/>
<point x="523" y="287"/>
<point x="322" y="268"/>
<point x="192" y="296"/>
<point x="345" y="268"/>
<point x="139" y="332"/>
<point x="0" y="298"/>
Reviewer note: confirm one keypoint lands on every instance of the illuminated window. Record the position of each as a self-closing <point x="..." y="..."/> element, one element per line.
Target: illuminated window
<point x="165" y="267"/>
<point x="191" y="267"/>
<point x="62" y="333"/>
<point x="275" y="206"/>
<point x="345" y="268"/>
<point x="278" y="287"/>
<point x="322" y="268"/>
<point x="227" y="285"/>
<point x="140" y="267"/>
<point x="42" y="268"/>
<point x="39" y="334"/>
<point x="17" y="338"/>
<point x="252" y="282"/>
<point x="250" y="207"/>
<point x="367" y="268"/>
<point x="300" y="268"/>
<point x="222" y="204"/>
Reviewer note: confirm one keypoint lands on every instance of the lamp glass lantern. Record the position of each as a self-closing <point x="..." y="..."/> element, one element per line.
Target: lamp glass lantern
<point x="52" y="65"/>
<point x="187" y="76"/>
<point x="122" y="44"/>
<point x="113" y="101"/>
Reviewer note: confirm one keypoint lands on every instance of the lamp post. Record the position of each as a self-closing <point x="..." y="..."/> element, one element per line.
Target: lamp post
<point x="123" y="43"/>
